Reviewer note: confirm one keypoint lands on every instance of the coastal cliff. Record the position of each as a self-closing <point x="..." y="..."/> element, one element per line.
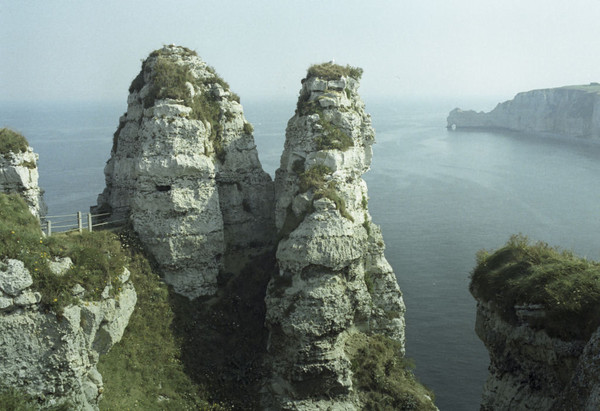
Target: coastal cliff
<point x="335" y="297"/>
<point x="56" y="316"/>
<point x="570" y="111"/>
<point x="184" y="170"/>
<point x="537" y="314"/>
<point x="282" y="296"/>
<point x="19" y="172"/>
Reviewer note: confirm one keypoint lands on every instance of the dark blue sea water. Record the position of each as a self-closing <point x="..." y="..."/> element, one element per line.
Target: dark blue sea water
<point x="438" y="195"/>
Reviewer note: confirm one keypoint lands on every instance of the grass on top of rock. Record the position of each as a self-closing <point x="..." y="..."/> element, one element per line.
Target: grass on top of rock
<point x="12" y="142"/>
<point x="521" y="273"/>
<point x="97" y="257"/>
<point x="331" y="71"/>
<point x="171" y="80"/>
<point x="384" y="378"/>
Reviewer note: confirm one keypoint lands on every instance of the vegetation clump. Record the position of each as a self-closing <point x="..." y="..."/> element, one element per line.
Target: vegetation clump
<point x="97" y="257"/>
<point x="12" y="142"/>
<point x="16" y="400"/>
<point x="384" y="378"/>
<point x="314" y="178"/>
<point x="521" y="273"/>
<point x="332" y="137"/>
<point x="331" y="71"/>
<point x="172" y="80"/>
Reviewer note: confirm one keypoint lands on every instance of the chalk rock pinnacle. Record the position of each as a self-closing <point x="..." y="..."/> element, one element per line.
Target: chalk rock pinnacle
<point x="185" y="171"/>
<point x="334" y="290"/>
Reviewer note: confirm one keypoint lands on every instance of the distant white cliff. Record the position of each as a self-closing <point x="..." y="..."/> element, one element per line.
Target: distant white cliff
<point x="572" y="111"/>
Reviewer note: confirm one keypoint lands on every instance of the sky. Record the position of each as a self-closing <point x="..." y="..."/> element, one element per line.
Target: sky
<point x="55" y="50"/>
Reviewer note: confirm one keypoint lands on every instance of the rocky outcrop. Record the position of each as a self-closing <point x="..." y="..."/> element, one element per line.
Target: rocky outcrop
<point x="185" y="171"/>
<point x="334" y="287"/>
<point x="537" y="314"/>
<point x="570" y="111"/>
<point x="528" y="369"/>
<point x="19" y="172"/>
<point x="53" y="358"/>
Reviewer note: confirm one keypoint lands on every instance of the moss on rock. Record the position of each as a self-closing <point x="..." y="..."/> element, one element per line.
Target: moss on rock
<point x="522" y="273"/>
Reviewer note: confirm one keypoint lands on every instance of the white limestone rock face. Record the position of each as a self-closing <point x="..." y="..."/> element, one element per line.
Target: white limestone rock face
<point x="184" y="169"/>
<point x="54" y="359"/>
<point x="333" y="280"/>
<point x="19" y="175"/>
<point x="572" y="111"/>
<point x="529" y="370"/>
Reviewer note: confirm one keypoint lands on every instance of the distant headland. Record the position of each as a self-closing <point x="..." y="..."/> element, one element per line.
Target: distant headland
<point x="572" y="111"/>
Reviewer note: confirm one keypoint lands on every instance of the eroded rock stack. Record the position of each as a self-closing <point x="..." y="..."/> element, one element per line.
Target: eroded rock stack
<point x="334" y="289"/>
<point x="53" y="358"/>
<point x="19" y="172"/>
<point x="572" y="111"/>
<point x="184" y="169"/>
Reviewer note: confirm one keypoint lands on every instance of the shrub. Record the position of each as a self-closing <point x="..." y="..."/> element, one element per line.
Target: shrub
<point x="384" y="378"/>
<point x="366" y="224"/>
<point x="12" y="142"/>
<point x="248" y="129"/>
<point x="330" y="71"/>
<point x="369" y="282"/>
<point x="28" y="164"/>
<point x="169" y="81"/>
<point x="13" y="399"/>
<point x="314" y="178"/>
<point x="138" y="82"/>
<point x="520" y="273"/>
<point x="330" y="192"/>
<point x="332" y="137"/>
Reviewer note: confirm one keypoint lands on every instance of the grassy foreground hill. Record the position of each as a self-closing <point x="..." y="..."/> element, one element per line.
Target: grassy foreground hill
<point x="143" y="371"/>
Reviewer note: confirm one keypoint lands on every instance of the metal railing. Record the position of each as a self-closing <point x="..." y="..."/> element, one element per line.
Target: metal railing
<point x="75" y="222"/>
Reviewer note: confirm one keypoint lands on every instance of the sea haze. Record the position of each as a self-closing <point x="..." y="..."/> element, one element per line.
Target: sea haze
<point x="439" y="196"/>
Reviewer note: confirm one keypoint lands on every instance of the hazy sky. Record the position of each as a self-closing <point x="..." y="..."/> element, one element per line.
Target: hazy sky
<point x="91" y="50"/>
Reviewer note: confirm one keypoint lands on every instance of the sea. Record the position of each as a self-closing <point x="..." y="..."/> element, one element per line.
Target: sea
<point x="438" y="195"/>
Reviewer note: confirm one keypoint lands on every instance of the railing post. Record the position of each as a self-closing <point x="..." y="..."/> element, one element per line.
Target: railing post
<point x="90" y="222"/>
<point x="49" y="227"/>
<point x="79" y="222"/>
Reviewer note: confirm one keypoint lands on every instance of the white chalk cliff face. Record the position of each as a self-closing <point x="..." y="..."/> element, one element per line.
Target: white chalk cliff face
<point x="19" y="175"/>
<point x="570" y="111"/>
<point x="54" y="359"/>
<point x="334" y="283"/>
<point x="184" y="169"/>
